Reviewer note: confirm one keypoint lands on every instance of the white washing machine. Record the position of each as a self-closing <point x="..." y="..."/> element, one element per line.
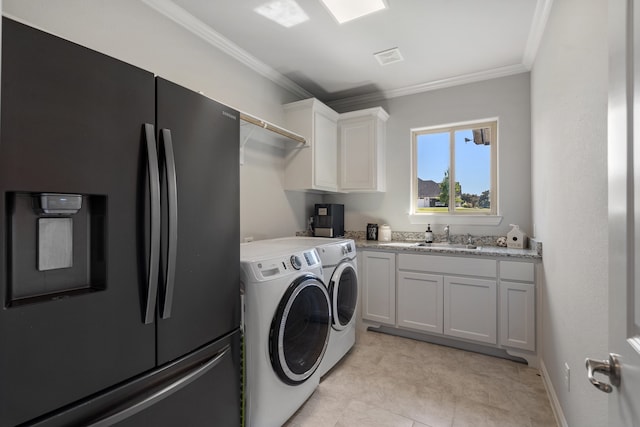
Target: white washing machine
<point x="339" y="264"/>
<point x="287" y="325"/>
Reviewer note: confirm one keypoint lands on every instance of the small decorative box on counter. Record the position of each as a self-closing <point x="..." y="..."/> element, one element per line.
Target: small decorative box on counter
<point x="516" y="239"/>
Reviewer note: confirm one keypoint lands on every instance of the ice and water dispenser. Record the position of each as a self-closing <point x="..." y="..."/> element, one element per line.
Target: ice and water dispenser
<point x="56" y="244"/>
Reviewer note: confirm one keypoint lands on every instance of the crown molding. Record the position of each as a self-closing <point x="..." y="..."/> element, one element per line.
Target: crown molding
<point x="429" y="86"/>
<point x="202" y="30"/>
<point x="538" y="25"/>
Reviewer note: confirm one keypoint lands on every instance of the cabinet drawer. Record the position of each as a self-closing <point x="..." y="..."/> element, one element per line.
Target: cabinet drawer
<point x="448" y="265"/>
<point x="513" y="270"/>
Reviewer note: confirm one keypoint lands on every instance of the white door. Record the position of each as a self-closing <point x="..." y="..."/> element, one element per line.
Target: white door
<point x="624" y="220"/>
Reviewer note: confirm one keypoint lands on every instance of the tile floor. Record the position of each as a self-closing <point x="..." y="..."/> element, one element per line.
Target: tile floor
<point x="388" y="381"/>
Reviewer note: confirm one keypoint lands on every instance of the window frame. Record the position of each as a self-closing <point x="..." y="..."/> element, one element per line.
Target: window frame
<point x="490" y="217"/>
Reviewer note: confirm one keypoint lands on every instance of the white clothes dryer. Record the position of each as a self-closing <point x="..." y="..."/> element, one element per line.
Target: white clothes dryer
<point x="287" y="324"/>
<point x="340" y="268"/>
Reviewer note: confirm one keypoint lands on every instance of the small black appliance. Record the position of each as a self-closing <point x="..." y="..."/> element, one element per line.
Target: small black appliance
<point x="328" y="220"/>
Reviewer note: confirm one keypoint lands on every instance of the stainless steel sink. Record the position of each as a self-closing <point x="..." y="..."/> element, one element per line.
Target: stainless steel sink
<point x="449" y="245"/>
<point x="400" y="244"/>
<point x="439" y="245"/>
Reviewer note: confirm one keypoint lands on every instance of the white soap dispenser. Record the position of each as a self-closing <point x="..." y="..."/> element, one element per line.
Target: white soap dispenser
<point x="428" y="235"/>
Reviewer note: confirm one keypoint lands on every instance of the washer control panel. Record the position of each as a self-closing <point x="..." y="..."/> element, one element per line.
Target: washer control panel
<point x="312" y="258"/>
<point x="296" y="263"/>
<point x="304" y="260"/>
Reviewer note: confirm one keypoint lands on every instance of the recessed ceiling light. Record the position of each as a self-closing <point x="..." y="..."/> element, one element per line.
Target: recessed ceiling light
<point x="285" y="12"/>
<point x="389" y="56"/>
<point x="347" y="10"/>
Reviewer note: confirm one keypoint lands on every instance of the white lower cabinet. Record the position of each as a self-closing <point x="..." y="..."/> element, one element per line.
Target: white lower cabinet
<point x="483" y="300"/>
<point x="470" y="309"/>
<point x="517" y="315"/>
<point x="436" y="294"/>
<point x="517" y="305"/>
<point x="379" y="287"/>
<point x="420" y="301"/>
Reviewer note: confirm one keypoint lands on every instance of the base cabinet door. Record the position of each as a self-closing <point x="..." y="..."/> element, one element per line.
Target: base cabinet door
<point x="517" y="315"/>
<point x="470" y="309"/>
<point x="420" y="301"/>
<point x="379" y="287"/>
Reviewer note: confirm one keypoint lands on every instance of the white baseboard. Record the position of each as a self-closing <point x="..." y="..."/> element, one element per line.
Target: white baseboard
<point x="553" y="398"/>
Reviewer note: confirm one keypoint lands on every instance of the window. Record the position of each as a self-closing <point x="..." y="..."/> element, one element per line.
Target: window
<point x="454" y="169"/>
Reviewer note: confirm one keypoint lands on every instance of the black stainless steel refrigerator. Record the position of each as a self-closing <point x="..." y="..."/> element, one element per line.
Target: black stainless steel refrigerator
<point x="119" y="231"/>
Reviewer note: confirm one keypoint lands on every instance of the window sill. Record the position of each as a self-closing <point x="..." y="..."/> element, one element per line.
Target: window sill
<point x="455" y="219"/>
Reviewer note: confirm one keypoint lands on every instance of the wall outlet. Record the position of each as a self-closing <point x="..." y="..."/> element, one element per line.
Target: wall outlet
<point x="567" y="376"/>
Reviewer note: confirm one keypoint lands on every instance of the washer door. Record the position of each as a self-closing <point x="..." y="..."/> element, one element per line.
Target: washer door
<point x="344" y="295"/>
<point x="300" y="330"/>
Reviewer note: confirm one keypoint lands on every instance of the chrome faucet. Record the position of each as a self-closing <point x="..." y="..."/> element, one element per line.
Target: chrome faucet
<point x="446" y="233"/>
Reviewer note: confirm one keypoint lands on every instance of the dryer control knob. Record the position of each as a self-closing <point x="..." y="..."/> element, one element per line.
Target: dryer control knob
<point x="295" y="262"/>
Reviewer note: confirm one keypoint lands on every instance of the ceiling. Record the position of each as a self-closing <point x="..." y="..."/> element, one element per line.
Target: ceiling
<point x="443" y="42"/>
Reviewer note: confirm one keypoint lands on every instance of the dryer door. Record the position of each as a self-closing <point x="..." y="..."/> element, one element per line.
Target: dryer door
<point x="300" y="330"/>
<point x="344" y="295"/>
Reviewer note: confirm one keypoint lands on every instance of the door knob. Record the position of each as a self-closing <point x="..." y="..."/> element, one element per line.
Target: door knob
<point x="610" y="368"/>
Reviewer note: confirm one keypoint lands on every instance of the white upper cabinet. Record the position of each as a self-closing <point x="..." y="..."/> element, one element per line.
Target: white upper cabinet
<point x="362" y="144"/>
<point x="315" y="167"/>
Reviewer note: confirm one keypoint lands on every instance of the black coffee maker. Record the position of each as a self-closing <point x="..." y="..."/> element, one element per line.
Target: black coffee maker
<point x="328" y="220"/>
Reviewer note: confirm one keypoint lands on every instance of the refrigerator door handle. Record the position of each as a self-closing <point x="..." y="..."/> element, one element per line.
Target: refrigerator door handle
<point x="172" y="206"/>
<point x="149" y="400"/>
<point x="154" y="250"/>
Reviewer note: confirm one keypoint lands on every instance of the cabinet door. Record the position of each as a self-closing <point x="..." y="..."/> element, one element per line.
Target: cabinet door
<point x="379" y="287"/>
<point x="517" y="318"/>
<point x="470" y="309"/>
<point x="316" y="166"/>
<point x="357" y="155"/>
<point x="325" y="146"/>
<point x="420" y="299"/>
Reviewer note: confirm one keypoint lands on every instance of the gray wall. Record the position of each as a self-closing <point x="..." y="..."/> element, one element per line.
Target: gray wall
<point x="133" y="32"/>
<point x="506" y="98"/>
<point x="569" y="157"/>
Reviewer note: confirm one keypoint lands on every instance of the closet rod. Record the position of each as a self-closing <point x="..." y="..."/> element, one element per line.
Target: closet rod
<point x="273" y="128"/>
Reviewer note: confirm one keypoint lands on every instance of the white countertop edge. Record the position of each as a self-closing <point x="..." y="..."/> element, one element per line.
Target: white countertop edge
<point x="484" y="251"/>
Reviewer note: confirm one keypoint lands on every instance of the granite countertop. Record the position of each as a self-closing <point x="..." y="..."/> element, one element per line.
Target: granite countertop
<point x="411" y="246"/>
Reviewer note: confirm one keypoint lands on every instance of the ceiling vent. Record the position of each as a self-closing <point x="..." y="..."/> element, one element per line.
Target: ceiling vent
<point x="389" y="56"/>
